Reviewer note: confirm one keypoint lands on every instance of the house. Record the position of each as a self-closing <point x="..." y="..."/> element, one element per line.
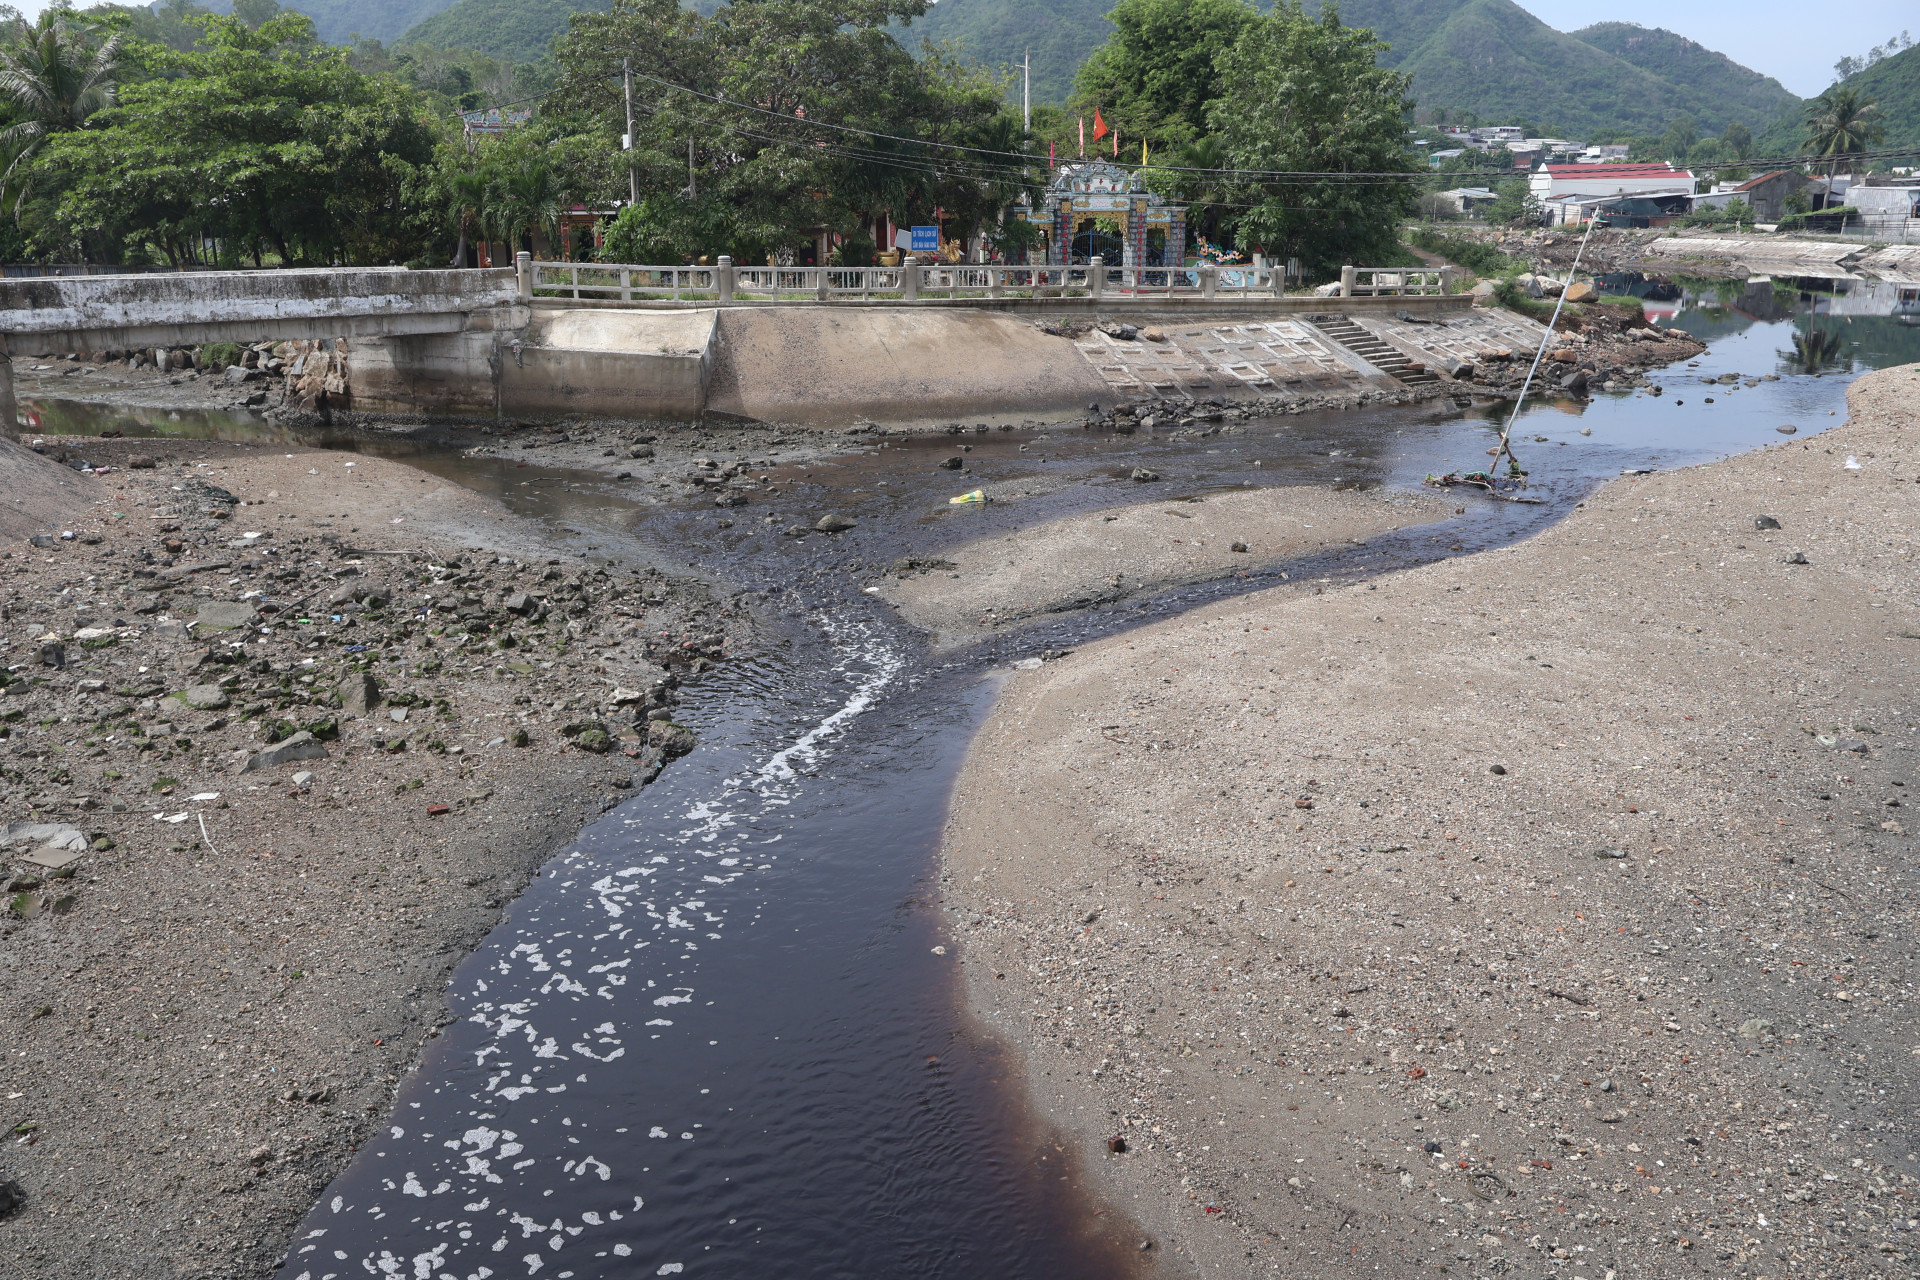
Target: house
<point x="1766" y="195"/>
<point x="1468" y="202"/>
<point x="1435" y="158"/>
<point x="1886" y="208"/>
<point x="1555" y="180"/>
<point x="1607" y="154"/>
<point x="1655" y="209"/>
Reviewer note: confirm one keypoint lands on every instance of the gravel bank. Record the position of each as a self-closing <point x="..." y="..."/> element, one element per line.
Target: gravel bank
<point x="1103" y="556"/>
<point x="1544" y="912"/>
<point x="304" y="771"/>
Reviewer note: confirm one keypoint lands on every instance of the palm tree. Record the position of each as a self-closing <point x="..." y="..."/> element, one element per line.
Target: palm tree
<point x="1203" y="183"/>
<point x="467" y="193"/>
<point x="55" y="80"/>
<point x="1841" y="123"/>
<point x="531" y="199"/>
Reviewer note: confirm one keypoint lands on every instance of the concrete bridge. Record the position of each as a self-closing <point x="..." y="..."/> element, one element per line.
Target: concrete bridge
<point x="796" y="344"/>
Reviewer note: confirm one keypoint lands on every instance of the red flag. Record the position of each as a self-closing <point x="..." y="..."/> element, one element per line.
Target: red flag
<point x="1050" y="161"/>
<point x="1083" y="135"/>
<point x="1099" y="126"/>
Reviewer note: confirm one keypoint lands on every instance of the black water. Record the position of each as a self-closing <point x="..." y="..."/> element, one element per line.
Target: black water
<point x="715" y="1037"/>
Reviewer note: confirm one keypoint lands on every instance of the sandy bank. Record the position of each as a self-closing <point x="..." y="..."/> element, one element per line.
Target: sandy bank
<point x="1249" y="890"/>
<point x="203" y="1021"/>
<point x="1099" y="557"/>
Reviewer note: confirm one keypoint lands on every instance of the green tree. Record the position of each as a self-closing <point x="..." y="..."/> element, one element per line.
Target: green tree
<point x="1155" y="75"/>
<point x="1679" y="138"/>
<point x="1738" y="139"/>
<point x="467" y="191"/>
<point x="256" y="13"/>
<point x="261" y="139"/>
<point x="1840" y="123"/>
<point x="55" y="74"/>
<point x="800" y="115"/>
<point x="1304" y="95"/>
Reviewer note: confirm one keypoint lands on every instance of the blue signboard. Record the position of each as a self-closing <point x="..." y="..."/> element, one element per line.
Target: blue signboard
<point x="926" y="240"/>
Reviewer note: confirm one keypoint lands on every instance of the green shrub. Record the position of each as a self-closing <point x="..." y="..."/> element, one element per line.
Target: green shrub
<point x="1481" y="259"/>
<point x="218" y="355"/>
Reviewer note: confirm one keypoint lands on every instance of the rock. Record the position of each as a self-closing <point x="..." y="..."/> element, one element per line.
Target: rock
<point x="303" y="778"/>
<point x="597" y="741"/>
<point x="1765" y="522"/>
<point x="731" y="498"/>
<point x="1143" y="475"/>
<point x="519" y="602"/>
<point x="225" y="615"/>
<point x="640" y="451"/>
<point x="1786" y="430"/>
<point x="1795" y="557"/>
<point x="834" y="522"/>
<point x="796" y="531"/>
<point x="238" y="374"/>
<point x="954" y="464"/>
<point x="1498" y="770"/>
<point x="1581" y="291"/>
<point x="519" y="738"/>
<point x="140" y="462"/>
<point x="300" y="746"/>
<point x="53" y="655"/>
<point x="673" y="740"/>
<point x="1609" y="853"/>
<point x="1240" y="547"/>
<point x="1756" y="1029"/>
<point x="205" y="697"/>
<point x="1484" y="289"/>
<point x="1575" y="383"/>
<point x="359" y="694"/>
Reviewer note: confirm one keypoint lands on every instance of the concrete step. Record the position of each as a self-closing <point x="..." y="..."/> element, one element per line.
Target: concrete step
<point x="1387" y="359"/>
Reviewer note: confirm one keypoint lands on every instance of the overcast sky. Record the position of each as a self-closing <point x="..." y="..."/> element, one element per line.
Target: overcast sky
<point x="1795" y="43"/>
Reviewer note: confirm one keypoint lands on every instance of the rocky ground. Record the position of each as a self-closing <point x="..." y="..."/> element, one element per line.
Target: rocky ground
<point x="280" y="734"/>
<point x="1599" y="348"/>
<point x="1098" y="557"/>
<point x="1544" y="912"/>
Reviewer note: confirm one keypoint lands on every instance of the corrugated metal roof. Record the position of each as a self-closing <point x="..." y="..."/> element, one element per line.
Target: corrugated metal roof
<point x="1591" y="171"/>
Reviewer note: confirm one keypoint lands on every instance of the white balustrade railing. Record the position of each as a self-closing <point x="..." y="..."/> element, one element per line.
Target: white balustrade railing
<point x="727" y="284"/>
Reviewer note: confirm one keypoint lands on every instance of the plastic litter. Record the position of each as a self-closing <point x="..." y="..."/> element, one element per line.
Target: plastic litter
<point x="962" y="499"/>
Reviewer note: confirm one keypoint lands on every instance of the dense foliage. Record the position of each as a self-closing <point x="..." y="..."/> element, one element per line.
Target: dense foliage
<point x="1302" y="94"/>
<point x="1155" y="76"/>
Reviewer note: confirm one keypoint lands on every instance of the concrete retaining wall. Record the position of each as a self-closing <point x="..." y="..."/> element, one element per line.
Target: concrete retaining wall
<point x="829" y="365"/>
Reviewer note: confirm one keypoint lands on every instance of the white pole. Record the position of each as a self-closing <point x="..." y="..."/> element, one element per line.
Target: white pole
<point x="1026" y="90"/>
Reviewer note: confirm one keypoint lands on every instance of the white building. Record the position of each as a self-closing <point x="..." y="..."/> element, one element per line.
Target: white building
<point x="1553" y="181"/>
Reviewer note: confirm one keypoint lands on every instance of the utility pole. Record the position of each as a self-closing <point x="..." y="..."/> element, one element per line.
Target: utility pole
<point x="626" y="143"/>
<point x="1026" y="90"/>
<point x="693" y="191"/>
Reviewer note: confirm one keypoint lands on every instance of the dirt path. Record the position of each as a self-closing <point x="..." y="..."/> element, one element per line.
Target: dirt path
<point x="1549" y="909"/>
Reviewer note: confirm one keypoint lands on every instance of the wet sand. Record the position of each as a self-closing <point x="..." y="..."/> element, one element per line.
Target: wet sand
<point x="1545" y="910"/>
<point x="1100" y="557"/>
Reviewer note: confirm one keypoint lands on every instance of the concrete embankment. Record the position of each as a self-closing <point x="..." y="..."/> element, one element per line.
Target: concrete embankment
<point x="1509" y="908"/>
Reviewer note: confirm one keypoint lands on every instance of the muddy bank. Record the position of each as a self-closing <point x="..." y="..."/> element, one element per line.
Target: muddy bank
<point x="296" y="726"/>
<point x="1101" y="557"/>
<point x="1548" y="909"/>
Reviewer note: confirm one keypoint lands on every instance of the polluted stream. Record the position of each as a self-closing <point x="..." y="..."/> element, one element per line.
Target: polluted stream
<point x="723" y="1033"/>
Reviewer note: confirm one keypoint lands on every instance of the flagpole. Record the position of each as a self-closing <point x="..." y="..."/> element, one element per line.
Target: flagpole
<point x="1083" y="137"/>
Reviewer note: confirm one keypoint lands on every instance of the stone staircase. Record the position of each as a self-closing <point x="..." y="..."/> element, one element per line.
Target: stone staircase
<point x="1388" y="360"/>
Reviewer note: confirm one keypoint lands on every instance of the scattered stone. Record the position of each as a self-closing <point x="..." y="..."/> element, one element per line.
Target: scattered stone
<point x="673" y="740"/>
<point x="1238" y="546"/>
<point x="225" y="615"/>
<point x="1787" y="430"/>
<point x="1795" y="557"/>
<point x="796" y="531"/>
<point x="359" y="694"/>
<point x="954" y="464"/>
<point x="205" y="697"/>
<point x="1756" y="1029"/>
<point x="834" y="522"/>
<point x="1609" y="853"/>
<point x="1498" y="770"/>
<point x="299" y="746"/>
<point x="1765" y="522"/>
<point x="1143" y="475"/>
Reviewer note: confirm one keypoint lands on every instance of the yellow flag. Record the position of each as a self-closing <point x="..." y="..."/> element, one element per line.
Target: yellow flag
<point x="1143" y="153"/>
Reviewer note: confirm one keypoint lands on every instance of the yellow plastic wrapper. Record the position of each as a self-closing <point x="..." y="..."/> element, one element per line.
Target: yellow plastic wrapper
<point x="976" y="496"/>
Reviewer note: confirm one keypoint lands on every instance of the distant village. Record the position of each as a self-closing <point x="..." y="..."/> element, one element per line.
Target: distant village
<point x="1569" y="183"/>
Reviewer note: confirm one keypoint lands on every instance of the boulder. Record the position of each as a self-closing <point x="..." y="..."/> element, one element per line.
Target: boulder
<point x="237" y="374"/>
<point x="205" y="697"/>
<point x="672" y="739"/>
<point x="300" y="746"/>
<point x="834" y="522"/>
<point x="1581" y="291"/>
<point x="225" y="615"/>
<point x="359" y="694"/>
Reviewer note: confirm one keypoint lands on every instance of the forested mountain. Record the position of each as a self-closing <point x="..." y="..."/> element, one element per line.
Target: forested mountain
<point x="1894" y="83"/>
<point x="513" y="30"/>
<point x="338" y="21"/>
<point x="1711" y="78"/>
<point x="1497" y="60"/>
<point x="1061" y="34"/>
